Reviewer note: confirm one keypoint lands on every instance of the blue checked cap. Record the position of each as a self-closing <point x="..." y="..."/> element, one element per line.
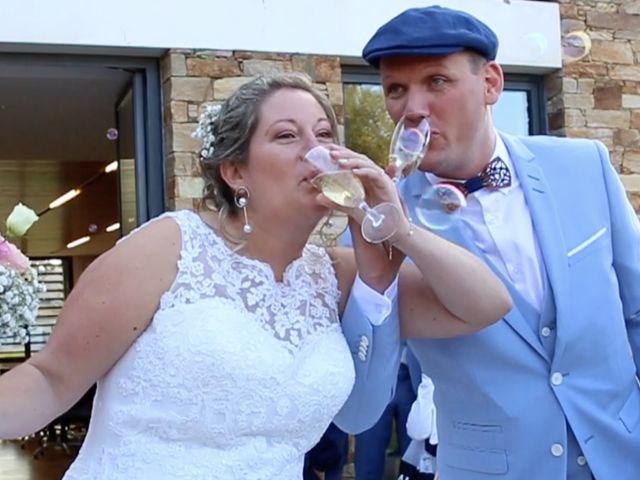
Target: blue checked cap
<point x="430" y="31"/>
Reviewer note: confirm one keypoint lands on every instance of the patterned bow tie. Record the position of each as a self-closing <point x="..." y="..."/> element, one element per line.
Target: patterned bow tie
<point x="494" y="176"/>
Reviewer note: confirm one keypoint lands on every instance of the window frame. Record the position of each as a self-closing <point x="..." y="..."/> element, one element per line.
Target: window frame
<point x="532" y="85"/>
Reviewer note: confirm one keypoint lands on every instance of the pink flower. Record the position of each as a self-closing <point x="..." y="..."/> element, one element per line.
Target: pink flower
<point x="12" y="257"/>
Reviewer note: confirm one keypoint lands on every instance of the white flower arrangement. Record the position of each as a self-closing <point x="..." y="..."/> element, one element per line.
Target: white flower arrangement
<point x="205" y="130"/>
<point x="18" y="303"/>
<point x="19" y="285"/>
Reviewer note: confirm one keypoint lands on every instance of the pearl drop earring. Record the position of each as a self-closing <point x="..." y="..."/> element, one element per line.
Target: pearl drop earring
<point x="241" y="199"/>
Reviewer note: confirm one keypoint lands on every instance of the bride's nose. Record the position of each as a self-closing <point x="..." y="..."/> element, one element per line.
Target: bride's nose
<point x="308" y="145"/>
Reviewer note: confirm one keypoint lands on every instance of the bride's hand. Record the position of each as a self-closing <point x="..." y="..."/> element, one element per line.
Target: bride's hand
<point x="375" y="263"/>
<point x="379" y="188"/>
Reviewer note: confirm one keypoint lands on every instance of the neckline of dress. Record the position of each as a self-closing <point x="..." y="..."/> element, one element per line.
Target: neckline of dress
<point x="260" y="264"/>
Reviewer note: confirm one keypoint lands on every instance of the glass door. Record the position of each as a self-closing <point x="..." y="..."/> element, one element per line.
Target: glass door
<point x="80" y="143"/>
<point x="126" y="164"/>
<point x="133" y="181"/>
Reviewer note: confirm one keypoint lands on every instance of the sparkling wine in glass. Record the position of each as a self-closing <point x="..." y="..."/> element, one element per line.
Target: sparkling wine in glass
<point x="409" y="145"/>
<point x="342" y="187"/>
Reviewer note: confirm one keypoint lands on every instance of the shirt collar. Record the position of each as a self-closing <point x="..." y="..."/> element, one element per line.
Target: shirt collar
<point x="499" y="150"/>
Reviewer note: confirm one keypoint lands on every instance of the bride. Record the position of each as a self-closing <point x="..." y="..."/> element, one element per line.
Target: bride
<point x="215" y="337"/>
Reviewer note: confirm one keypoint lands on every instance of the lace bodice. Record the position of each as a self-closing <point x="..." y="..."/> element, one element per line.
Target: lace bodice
<point x="236" y="377"/>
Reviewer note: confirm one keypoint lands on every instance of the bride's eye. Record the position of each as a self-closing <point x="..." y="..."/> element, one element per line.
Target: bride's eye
<point x="325" y="135"/>
<point x="286" y="135"/>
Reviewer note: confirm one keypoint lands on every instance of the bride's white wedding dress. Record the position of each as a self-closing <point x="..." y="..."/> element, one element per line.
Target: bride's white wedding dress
<point x="236" y="377"/>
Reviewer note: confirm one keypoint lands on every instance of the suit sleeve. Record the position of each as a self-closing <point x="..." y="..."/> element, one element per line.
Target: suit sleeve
<point x="376" y="356"/>
<point x="625" y="234"/>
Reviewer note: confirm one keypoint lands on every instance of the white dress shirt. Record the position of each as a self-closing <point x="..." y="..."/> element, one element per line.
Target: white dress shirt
<point x="501" y="226"/>
<point x="376" y="306"/>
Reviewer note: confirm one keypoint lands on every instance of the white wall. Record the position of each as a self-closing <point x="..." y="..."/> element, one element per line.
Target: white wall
<point x="529" y="31"/>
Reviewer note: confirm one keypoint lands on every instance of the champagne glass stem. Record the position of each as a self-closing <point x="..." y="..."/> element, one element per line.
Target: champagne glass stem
<point x="375" y="217"/>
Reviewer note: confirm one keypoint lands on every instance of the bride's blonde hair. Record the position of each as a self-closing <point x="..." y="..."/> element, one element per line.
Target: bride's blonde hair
<point x="227" y="130"/>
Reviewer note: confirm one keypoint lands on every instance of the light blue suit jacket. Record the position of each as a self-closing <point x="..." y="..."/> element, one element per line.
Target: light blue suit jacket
<point x="376" y="375"/>
<point x="502" y="413"/>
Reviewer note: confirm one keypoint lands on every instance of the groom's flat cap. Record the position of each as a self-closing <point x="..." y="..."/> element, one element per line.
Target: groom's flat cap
<point x="430" y="31"/>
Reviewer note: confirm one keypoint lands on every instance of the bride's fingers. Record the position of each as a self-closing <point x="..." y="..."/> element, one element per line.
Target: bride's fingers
<point x="342" y="153"/>
<point x="363" y="167"/>
<point x="391" y="170"/>
<point x="352" y="163"/>
<point x="372" y="174"/>
<point x="336" y="150"/>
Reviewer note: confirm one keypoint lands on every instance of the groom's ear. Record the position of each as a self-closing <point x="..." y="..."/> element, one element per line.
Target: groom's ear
<point x="494" y="82"/>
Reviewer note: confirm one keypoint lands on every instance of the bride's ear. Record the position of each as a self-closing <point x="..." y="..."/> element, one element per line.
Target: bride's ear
<point x="233" y="175"/>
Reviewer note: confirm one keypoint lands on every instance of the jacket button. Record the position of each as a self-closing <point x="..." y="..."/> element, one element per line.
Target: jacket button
<point x="557" y="450"/>
<point x="557" y="379"/>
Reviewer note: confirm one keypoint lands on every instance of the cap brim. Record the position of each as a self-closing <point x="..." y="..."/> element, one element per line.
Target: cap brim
<point x="373" y="58"/>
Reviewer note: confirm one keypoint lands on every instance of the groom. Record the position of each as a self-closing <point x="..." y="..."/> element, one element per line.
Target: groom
<point x="550" y="392"/>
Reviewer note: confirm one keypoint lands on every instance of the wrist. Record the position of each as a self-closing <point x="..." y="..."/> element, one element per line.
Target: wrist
<point x="404" y="233"/>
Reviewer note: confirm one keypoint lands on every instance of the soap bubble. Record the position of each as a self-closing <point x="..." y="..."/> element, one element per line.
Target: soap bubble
<point x="575" y="46"/>
<point x="112" y="134"/>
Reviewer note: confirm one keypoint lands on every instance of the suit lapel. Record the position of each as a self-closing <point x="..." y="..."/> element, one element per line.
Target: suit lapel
<point x="546" y="223"/>
<point x="459" y="234"/>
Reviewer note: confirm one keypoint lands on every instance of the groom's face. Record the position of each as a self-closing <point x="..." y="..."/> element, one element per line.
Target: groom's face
<point x="454" y="93"/>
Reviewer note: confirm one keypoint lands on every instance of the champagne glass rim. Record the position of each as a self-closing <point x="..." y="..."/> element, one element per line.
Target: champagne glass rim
<point x="320" y="157"/>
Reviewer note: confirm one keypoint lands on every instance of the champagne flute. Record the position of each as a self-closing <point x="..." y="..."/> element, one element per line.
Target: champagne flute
<point x="408" y="145"/>
<point x="439" y="205"/>
<point x="342" y="187"/>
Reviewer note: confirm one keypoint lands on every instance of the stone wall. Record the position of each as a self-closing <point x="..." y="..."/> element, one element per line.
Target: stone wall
<point x="596" y="97"/>
<point x="193" y="79"/>
<point x="599" y="96"/>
